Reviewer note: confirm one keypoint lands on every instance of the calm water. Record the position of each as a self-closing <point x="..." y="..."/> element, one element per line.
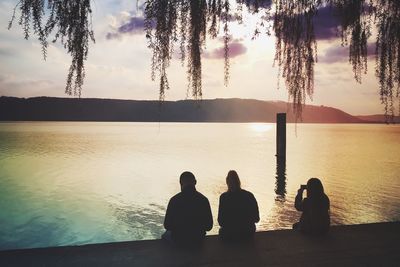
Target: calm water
<point x="77" y="183"/>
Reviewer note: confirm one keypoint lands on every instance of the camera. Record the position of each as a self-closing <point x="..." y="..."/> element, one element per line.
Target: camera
<point x="303" y="187"/>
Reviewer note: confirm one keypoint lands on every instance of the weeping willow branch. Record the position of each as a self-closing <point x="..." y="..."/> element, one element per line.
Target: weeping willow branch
<point x="356" y="20"/>
<point x="163" y="14"/>
<point x="225" y="19"/>
<point x="165" y="19"/>
<point x="388" y="54"/>
<point x="186" y="24"/>
<point x="66" y="21"/>
<point x="296" y="48"/>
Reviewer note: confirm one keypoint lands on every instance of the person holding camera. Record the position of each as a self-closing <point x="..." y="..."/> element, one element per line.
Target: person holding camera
<point x="315" y="218"/>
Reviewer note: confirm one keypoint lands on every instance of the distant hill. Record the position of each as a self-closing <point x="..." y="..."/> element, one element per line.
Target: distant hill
<point x="217" y="110"/>
<point x="377" y="118"/>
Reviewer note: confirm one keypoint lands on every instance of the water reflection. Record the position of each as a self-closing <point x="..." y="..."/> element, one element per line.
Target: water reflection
<point x="80" y="192"/>
<point x="280" y="184"/>
<point x="140" y="222"/>
<point x="281" y="216"/>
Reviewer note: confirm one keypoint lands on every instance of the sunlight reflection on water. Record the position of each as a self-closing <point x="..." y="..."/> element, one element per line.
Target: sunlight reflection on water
<point x="75" y="183"/>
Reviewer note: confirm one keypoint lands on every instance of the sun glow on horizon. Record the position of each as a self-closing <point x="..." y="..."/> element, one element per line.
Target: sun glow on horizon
<point x="261" y="127"/>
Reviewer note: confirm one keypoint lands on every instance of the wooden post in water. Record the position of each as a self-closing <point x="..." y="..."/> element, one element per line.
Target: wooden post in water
<point x="280" y="188"/>
<point x="281" y="137"/>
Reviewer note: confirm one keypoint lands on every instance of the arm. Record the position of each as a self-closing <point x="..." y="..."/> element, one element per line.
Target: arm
<point x="298" y="203"/>
<point x="208" y="222"/>
<point x="169" y="216"/>
<point x="328" y="204"/>
<point x="221" y="211"/>
<point x="256" y="214"/>
<point x="329" y="211"/>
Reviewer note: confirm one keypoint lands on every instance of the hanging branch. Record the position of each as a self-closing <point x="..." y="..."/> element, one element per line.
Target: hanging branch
<point x="225" y="19"/>
<point x="188" y="22"/>
<point x="355" y="16"/>
<point x="197" y="30"/>
<point x="388" y="54"/>
<point x="161" y="17"/>
<point x="296" y="48"/>
<point x="70" y="22"/>
<point x="184" y="21"/>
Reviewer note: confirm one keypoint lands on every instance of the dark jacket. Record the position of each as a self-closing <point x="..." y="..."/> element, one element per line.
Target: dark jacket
<point x="238" y="213"/>
<point x="315" y="218"/>
<point x="188" y="216"/>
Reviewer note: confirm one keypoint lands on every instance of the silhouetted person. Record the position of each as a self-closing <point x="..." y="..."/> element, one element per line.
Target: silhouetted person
<point x="315" y="218"/>
<point x="188" y="214"/>
<point x="238" y="211"/>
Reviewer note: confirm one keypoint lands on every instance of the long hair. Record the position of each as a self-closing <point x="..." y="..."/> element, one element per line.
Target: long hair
<point x="319" y="206"/>
<point x="316" y="195"/>
<point x="233" y="181"/>
<point x="315" y="190"/>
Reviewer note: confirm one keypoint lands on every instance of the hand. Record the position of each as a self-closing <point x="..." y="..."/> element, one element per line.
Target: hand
<point x="300" y="191"/>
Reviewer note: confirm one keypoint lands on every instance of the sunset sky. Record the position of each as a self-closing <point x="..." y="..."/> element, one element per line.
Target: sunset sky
<point x="119" y="64"/>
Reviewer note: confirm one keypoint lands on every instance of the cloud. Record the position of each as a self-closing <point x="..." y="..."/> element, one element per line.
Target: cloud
<point x="6" y="52"/>
<point x="326" y="24"/>
<point x="235" y="49"/>
<point x="335" y="54"/>
<point x="132" y="26"/>
<point x="3" y="77"/>
<point x="371" y="49"/>
<point x="14" y="86"/>
<point x="254" y="4"/>
<point x="339" y="53"/>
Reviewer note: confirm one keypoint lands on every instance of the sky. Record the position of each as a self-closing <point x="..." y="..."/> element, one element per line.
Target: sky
<point x="118" y="65"/>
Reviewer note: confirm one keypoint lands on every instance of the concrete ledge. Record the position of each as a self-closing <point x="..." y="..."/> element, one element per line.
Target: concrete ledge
<point x="353" y="245"/>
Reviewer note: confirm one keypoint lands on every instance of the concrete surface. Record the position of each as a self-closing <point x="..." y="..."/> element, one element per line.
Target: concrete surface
<point x="353" y="245"/>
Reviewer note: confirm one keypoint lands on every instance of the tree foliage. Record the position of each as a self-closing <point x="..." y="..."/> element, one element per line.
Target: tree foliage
<point x="388" y="53"/>
<point x="186" y="24"/>
<point x="296" y="48"/>
<point x="66" y="21"/>
<point x="185" y="21"/>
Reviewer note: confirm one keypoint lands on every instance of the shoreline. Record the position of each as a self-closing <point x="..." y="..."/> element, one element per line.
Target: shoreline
<point x="203" y="122"/>
<point x="375" y="244"/>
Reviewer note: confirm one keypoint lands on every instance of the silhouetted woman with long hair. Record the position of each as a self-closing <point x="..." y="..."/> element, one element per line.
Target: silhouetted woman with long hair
<point x="238" y="211"/>
<point x="315" y="218"/>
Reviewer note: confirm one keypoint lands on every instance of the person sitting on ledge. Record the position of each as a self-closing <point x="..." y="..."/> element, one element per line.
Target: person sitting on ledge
<point x="238" y="211"/>
<point x="188" y="215"/>
<point x="315" y="219"/>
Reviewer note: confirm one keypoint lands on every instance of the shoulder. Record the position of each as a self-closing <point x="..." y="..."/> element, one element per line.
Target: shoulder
<point x="201" y="196"/>
<point x="247" y="193"/>
<point x="224" y="195"/>
<point x="176" y="197"/>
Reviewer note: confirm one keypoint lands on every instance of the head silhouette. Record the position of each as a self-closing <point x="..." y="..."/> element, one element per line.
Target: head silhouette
<point x="315" y="188"/>
<point x="233" y="181"/>
<point x="187" y="179"/>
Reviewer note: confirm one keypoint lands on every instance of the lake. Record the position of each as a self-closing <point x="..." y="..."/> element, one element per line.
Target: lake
<point x="70" y="183"/>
